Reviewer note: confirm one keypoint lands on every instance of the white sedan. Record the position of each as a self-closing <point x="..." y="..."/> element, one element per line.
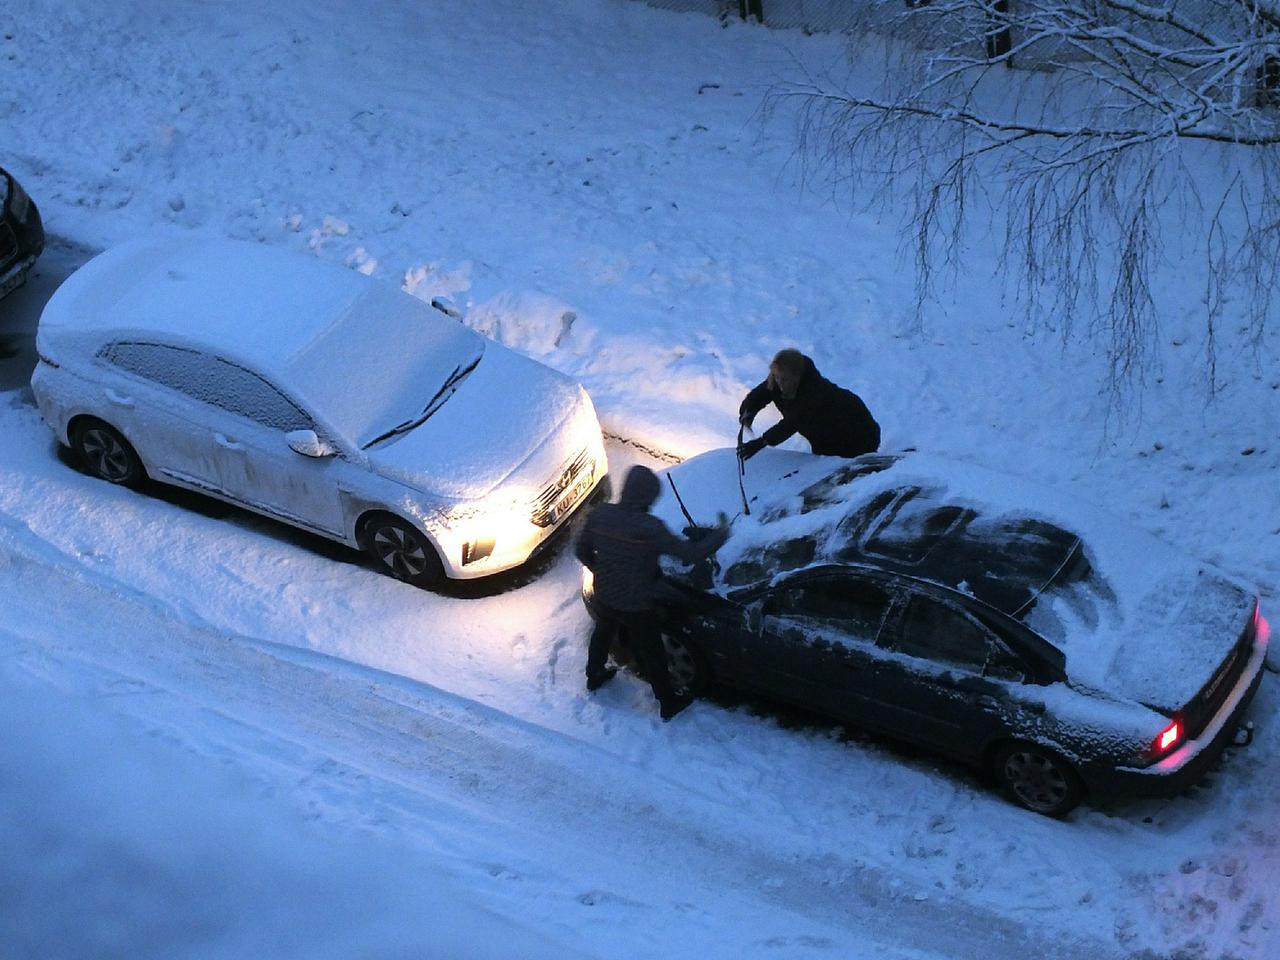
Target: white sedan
<point x="315" y="395"/>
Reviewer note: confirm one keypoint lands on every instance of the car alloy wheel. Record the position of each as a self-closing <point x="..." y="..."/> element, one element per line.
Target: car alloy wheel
<point x="1038" y="779"/>
<point x="106" y="454"/>
<point x="402" y="551"/>
<point x="684" y="665"/>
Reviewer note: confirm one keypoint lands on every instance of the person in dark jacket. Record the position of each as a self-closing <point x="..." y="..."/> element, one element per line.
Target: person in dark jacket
<point x="620" y="544"/>
<point x="834" y="420"/>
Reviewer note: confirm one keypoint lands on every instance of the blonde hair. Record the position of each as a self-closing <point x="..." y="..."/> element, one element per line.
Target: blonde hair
<point x="785" y="371"/>
<point x="789" y="361"/>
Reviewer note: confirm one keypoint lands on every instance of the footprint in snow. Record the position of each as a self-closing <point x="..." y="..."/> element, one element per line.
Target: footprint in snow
<point x="595" y="898"/>
<point x="782" y="943"/>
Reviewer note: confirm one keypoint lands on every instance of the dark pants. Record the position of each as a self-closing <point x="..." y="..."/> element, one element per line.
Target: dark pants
<point x="643" y="635"/>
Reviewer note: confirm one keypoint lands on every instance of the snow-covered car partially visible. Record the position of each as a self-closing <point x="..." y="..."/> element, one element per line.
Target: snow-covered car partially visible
<point x="316" y="395"/>
<point x="973" y="613"/>
<point x="21" y="233"/>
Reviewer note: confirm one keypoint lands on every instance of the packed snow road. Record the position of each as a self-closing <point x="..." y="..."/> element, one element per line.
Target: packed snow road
<point x="596" y="811"/>
<point x="596" y="835"/>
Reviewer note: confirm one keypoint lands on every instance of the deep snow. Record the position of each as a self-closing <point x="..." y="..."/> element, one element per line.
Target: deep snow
<point x="235" y="740"/>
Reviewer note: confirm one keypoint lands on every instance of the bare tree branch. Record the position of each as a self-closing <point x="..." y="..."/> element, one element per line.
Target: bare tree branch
<point x="1123" y="105"/>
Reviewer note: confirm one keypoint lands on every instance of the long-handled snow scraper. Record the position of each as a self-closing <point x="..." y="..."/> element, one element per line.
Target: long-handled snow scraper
<point x="742" y="470"/>
<point x="694" y="530"/>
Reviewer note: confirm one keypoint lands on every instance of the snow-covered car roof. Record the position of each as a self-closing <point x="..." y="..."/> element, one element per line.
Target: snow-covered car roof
<point x="1128" y="611"/>
<point x="355" y="349"/>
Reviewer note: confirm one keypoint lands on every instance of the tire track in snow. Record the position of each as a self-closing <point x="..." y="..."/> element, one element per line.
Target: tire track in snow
<point x="370" y="750"/>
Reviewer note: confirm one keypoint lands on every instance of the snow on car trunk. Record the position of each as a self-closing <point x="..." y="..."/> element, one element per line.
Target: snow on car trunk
<point x="1167" y="646"/>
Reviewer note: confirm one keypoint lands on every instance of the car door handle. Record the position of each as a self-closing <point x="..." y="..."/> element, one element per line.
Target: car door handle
<point x="119" y="398"/>
<point x="222" y="440"/>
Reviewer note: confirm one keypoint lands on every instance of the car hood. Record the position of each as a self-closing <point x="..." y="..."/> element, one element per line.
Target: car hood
<point x="512" y="419"/>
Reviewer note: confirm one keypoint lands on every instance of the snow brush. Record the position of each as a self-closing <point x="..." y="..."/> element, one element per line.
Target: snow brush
<point x="693" y="525"/>
<point x="695" y="530"/>
<point x="742" y="471"/>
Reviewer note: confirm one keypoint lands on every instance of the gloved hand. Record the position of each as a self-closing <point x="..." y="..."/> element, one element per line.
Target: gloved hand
<point x="746" y="418"/>
<point x="750" y="448"/>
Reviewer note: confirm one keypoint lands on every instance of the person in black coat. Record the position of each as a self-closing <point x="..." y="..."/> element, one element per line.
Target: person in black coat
<point x="620" y="544"/>
<point x="834" y="420"/>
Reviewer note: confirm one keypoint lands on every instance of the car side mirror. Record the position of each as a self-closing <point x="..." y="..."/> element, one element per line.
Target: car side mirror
<point x="308" y="444"/>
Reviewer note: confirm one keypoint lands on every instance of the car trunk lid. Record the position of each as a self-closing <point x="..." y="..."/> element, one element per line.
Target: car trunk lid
<point x="1186" y="646"/>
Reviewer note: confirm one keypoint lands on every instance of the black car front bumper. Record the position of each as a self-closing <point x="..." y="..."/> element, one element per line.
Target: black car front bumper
<point x="21" y="236"/>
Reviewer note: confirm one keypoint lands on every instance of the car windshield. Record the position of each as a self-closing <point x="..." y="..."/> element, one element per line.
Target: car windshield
<point x="385" y="366"/>
<point x="437" y="401"/>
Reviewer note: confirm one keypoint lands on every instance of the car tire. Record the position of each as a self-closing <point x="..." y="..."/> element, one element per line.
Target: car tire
<point x="685" y="665"/>
<point x="104" y="453"/>
<point x="1035" y="777"/>
<point x="401" y="551"/>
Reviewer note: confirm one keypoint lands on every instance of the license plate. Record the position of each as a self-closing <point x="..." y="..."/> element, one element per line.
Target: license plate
<point x="580" y="486"/>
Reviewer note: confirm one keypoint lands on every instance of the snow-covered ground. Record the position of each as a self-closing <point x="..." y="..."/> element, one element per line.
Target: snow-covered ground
<point x="228" y="740"/>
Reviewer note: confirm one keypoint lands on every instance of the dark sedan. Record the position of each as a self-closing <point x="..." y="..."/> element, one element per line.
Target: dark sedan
<point x="21" y="233"/>
<point x="922" y="601"/>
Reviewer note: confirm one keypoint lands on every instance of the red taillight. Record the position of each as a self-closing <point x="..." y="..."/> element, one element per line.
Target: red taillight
<point x="1168" y="737"/>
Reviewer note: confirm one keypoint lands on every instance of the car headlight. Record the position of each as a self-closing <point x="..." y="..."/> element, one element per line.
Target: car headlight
<point x="475" y="534"/>
<point x="589" y="437"/>
<point x="588" y="582"/>
<point x="478" y="549"/>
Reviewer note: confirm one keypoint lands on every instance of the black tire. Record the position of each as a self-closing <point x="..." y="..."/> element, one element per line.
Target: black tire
<point x="685" y="665"/>
<point x="1037" y="778"/>
<point x="400" y="551"/>
<point x="104" y="453"/>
